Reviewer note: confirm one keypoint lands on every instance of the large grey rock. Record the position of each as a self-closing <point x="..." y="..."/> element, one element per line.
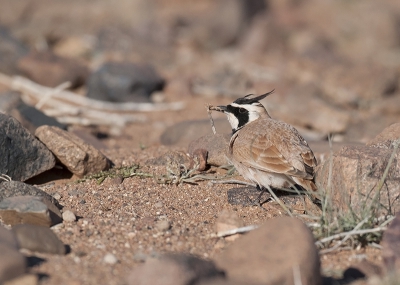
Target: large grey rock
<point x="29" y="210"/>
<point x="38" y="238"/>
<point x="281" y="250"/>
<point x="30" y="117"/>
<point x="173" y="269"/>
<point x="79" y="157"/>
<point x="124" y="82"/>
<point x="17" y="188"/>
<point x="23" y="156"/>
<point x="12" y="263"/>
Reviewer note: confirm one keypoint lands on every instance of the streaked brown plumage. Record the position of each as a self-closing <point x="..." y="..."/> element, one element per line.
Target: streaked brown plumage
<point x="266" y="151"/>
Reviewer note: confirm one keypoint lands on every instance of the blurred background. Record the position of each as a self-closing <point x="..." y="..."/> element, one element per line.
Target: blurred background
<point x="334" y="64"/>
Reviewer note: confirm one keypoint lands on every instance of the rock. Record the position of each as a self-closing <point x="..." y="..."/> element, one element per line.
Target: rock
<point x="29" y="210"/>
<point x="39" y="239"/>
<point x="11" y="50"/>
<point x="173" y="269"/>
<point x="79" y="157"/>
<point x="215" y="145"/>
<point x="124" y="82"/>
<point x="386" y="138"/>
<point x="272" y="254"/>
<point x="198" y="159"/>
<point x="246" y="196"/>
<point x="183" y="133"/>
<point x="162" y="225"/>
<point x="228" y="220"/>
<point x="110" y="258"/>
<point x="51" y="70"/>
<point x="68" y="216"/>
<point x="391" y="246"/>
<point x="28" y="116"/>
<point x="356" y="174"/>
<point x="16" y="188"/>
<point x="23" y="155"/>
<point x="12" y="263"/>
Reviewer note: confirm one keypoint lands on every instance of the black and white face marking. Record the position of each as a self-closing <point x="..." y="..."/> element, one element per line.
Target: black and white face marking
<point x="240" y="115"/>
<point x="244" y="110"/>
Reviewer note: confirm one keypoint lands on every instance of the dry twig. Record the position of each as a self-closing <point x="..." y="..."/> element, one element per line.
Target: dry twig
<point x="69" y="107"/>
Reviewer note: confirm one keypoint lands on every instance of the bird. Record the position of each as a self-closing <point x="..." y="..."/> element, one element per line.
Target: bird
<point x="265" y="151"/>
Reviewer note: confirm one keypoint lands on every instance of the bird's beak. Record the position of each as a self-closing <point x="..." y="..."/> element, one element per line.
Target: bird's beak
<point x="219" y="108"/>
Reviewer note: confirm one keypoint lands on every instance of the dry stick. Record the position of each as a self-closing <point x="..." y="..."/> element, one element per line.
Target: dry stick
<point x="211" y="118"/>
<point x="359" y="225"/>
<point x="51" y="93"/>
<point x="237" y="231"/>
<point x="352" y="233"/>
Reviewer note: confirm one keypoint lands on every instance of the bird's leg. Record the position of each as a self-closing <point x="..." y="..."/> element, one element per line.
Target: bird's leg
<point x="262" y="191"/>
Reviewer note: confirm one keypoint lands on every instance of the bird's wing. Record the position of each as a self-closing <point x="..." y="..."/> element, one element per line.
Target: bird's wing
<point x="262" y="154"/>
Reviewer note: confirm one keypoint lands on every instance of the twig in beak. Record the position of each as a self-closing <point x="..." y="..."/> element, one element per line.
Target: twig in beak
<point x="209" y="108"/>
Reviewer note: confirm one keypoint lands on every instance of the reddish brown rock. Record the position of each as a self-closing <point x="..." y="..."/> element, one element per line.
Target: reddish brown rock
<point x="387" y="137"/>
<point x="173" y="269"/>
<point x="356" y="172"/>
<point x="79" y="157"/>
<point x="51" y="70"/>
<point x="279" y="251"/>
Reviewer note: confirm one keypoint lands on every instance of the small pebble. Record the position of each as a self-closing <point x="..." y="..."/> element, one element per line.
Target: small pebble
<point x="57" y="196"/>
<point x="163" y="225"/>
<point x="68" y="216"/>
<point x="110" y="258"/>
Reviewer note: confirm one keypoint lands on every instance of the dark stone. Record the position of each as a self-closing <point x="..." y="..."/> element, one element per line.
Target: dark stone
<point x="30" y="117"/>
<point x="49" y="69"/>
<point x="11" y="50"/>
<point x="23" y="156"/>
<point x="17" y="188"/>
<point x="39" y="239"/>
<point x="124" y="82"/>
<point x="246" y="196"/>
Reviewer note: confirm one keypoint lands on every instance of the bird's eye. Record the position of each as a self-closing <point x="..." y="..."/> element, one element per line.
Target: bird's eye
<point x="242" y="110"/>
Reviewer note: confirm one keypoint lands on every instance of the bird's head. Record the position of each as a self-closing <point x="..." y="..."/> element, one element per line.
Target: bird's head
<point x="244" y="110"/>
